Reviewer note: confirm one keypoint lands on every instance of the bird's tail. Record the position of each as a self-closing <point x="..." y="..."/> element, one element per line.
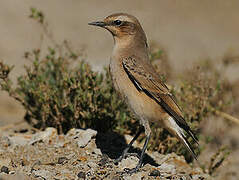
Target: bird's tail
<point x="184" y="140"/>
<point x="179" y="132"/>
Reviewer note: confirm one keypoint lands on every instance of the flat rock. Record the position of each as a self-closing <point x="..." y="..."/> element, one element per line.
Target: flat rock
<point x="82" y="137"/>
<point x="43" y="174"/>
<point x="44" y="136"/>
<point x="129" y="162"/>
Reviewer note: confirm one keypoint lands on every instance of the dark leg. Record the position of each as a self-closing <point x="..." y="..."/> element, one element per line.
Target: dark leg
<point x="140" y="163"/>
<point x="125" y="152"/>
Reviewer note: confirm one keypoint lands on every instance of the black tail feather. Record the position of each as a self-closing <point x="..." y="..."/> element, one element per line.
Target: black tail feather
<point x="193" y="136"/>
<point x="188" y="146"/>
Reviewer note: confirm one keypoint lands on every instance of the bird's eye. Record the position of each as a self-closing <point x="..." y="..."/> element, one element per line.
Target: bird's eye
<point x="117" y="22"/>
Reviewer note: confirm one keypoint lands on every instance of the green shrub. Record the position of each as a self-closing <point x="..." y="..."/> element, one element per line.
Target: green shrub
<point x="58" y="95"/>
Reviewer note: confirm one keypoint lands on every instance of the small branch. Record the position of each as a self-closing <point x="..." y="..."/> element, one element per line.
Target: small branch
<point x="226" y="116"/>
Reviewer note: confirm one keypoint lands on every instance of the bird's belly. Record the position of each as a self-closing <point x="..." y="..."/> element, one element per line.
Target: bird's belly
<point x="144" y="107"/>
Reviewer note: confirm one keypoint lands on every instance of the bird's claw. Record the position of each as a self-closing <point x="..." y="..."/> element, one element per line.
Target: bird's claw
<point x="131" y="171"/>
<point x="125" y="156"/>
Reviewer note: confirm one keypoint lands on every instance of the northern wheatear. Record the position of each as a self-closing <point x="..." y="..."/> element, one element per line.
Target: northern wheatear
<point x="136" y="80"/>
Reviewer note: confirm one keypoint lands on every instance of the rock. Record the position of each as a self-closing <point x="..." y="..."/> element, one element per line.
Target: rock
<point x="45" y="136"/>
<point x="44" y="174"/>
<point x="62" y="160"/>
<point x="116" y="178"/>
<point x="92" y="165"/>
<point x="82" y="137"/>
<point x="167" y="168"/>
<point x="81" y="175"/>
<point x="5" y="161"/>
<point x="97" y="151"/>
<point x="5" y="141"/>
<point x="200" y="177"/>
<point x="11" y="172"/>
<point x="129" y="163"/>
<point x="5" y="169"/>
<point x="24" y="162"/>
<point x="155" y="173"/>
<point x="104" y="160"/>
<point x="136" y="176"/>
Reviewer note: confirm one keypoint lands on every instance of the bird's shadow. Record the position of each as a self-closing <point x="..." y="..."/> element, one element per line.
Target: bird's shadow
<point x="112" y="144"/>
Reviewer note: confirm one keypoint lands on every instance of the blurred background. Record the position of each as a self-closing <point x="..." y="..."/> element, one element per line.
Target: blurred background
<point x="188" y="31"/>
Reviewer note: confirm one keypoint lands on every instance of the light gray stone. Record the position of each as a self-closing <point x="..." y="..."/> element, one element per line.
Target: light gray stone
<point x="167" y="168"/>
<point x="82" y="137"/>
<point x="130" y="162"/>
<point x="43" y="174"/>
<point x="48" y="134"/>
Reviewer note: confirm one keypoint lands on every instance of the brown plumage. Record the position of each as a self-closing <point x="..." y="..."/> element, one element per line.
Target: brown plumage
<point x="137" y="81"/>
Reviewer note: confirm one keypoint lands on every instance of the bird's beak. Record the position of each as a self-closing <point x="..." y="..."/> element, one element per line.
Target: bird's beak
<point x="98" y="23"/>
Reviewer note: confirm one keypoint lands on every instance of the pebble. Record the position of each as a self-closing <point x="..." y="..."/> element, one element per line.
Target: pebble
<point x="155" y="173"/>
<point x="44" y="174"/>
<point x="45" y="136"/>
<point x="5" y="169"/>
<point x="5" y="141"/>
<point x="62" y="160"/>
<point x="81" y="175"/>
<point x="129" y="163"/>
<point x="104" y="160"/>
<point x="116" y="178"/>
<point x="168" y="168"/>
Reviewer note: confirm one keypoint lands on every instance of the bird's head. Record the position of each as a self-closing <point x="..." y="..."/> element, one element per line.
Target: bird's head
<point x="120" y="25"/>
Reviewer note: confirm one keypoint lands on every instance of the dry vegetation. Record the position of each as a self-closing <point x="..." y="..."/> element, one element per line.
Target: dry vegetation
<point x="60" y="90"/>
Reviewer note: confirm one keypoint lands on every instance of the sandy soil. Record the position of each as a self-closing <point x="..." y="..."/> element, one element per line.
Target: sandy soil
<point x="83" y="154"/>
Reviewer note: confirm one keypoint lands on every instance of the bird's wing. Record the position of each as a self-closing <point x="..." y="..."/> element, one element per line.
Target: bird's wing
<point x="145" y="78"/>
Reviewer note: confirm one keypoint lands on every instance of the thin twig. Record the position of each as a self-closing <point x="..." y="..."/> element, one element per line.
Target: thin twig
<point x="226" y="116"/>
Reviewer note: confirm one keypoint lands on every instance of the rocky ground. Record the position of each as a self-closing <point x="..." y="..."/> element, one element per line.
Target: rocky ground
<point x="26" y="153"/>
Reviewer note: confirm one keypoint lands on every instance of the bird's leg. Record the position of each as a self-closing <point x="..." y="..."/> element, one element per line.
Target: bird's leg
<point x="140" y="163"/>
<point x="125" y="152"/>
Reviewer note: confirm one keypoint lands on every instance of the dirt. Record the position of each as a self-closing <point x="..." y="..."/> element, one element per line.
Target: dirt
<point x="83" y="154"/>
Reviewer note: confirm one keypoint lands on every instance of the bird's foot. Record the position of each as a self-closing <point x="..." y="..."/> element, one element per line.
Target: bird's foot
<point x="125" y="156"/>
<point x="134" y="170"/>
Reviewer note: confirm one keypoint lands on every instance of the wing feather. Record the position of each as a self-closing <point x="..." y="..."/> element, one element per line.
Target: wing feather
<point x="145" y="78"/>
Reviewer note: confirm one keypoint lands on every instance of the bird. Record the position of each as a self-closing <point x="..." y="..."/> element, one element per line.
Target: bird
<point x="135" y="78"/>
